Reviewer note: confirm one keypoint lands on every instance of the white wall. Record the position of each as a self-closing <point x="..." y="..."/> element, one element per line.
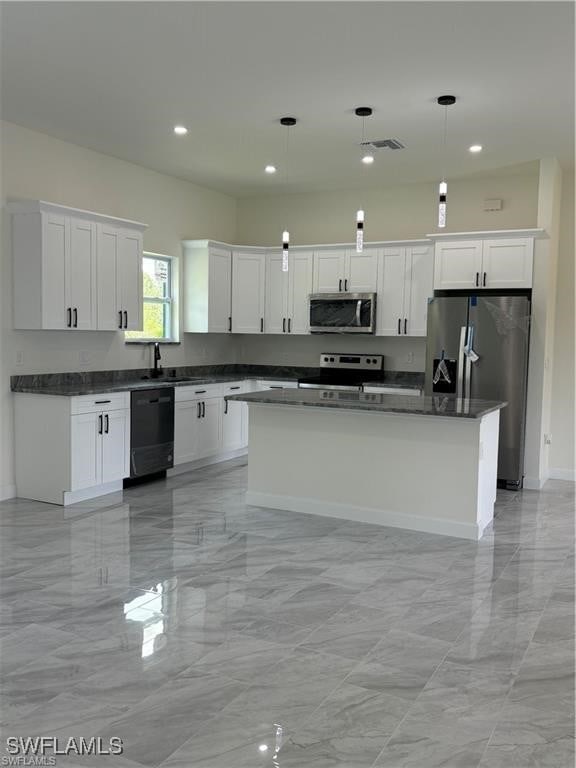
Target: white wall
<point x="36" y="166"/>
<point x="562" y="425"/>
<point x="403" y="212"/>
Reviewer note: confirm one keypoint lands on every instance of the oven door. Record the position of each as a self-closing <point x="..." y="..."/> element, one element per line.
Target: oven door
<point x="342" y="312"/>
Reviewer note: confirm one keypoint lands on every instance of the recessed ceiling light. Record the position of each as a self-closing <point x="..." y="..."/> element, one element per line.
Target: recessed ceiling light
<point x="270" y="169"/>
<point x="263" y="747"/>
<point x="368" y="159"/>
<point x="475" y="148"/>
<point x="180" y="130"/>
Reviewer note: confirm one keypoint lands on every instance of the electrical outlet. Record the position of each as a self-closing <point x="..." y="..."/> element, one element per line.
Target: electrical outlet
<point x="547" y="439"/>
<point x="410" y="357"/>
<point x="19" y="357"/>
<point x="83" y="358"/>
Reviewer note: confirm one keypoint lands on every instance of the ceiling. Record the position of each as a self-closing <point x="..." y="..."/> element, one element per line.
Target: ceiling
<point x="116" y="77"/>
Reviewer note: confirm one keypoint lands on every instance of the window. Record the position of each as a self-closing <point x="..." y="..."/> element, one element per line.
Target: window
<point x="158" y="293"/>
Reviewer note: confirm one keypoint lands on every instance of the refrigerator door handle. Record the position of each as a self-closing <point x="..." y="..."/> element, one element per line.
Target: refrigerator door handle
<point x="461" y="358"/>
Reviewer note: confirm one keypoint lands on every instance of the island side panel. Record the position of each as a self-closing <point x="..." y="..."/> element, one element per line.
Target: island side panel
<point x="415" y="472"/>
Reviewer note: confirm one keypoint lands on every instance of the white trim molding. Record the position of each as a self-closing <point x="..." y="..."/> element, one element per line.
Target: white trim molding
<point x="383" y="517"/>
<point x="562" y="474"/>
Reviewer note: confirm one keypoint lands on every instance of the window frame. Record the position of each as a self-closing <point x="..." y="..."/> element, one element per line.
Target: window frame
<point x="169" y="303"/>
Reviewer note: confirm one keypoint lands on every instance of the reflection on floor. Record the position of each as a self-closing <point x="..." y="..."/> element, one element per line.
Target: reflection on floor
<point x="203" y="632"/>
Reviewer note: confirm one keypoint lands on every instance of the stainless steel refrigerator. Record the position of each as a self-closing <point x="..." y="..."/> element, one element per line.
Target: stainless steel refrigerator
<point x="477" y="348"/>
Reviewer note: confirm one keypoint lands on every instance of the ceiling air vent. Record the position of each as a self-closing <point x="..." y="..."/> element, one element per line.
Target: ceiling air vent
<point x="384" y="144"/>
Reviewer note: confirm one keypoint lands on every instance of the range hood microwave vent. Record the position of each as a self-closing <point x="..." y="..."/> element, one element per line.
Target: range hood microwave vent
<point x="383" y="144"/>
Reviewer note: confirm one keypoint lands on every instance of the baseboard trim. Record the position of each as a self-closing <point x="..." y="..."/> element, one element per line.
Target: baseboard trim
<point x="7" y="492"/>
<point x="562" y="474"/>
<point x="73" y="497"/>
<point x="206" y="462"/>
<point x="533" y="483"/>
<point x="383" y="517"/>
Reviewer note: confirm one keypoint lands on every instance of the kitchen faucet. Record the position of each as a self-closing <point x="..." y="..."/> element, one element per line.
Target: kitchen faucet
<point x="157" y="369"/>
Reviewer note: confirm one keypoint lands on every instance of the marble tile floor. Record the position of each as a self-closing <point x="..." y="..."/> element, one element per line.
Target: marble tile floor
<point x="206" y="633"/>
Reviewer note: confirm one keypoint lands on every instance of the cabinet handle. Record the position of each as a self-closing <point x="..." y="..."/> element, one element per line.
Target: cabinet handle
<point x="198" y="410"/>
<point x="107" y="429"/>
<point x="399" y="322"/>
<point x="101" y="402"/>
<point x="225" y="407"/>
<point x="125" y="319"/>
<point x="289" y="325"/>
<point x="283" y="325"/>
<point x="339" y="285"/>
<point x="203" y="409"/>
<point x="75" y="317"/>
<point x="261" y="325"/>
<point x="229" y="323"/>
<point x="99" y="577"/>
<point x="69" y="319"/>
<point x="120" y="318"/>
<point x="100" y="424"/>
<point x="346" y="284"/>
<point x="405" y="326"/>
<point x="484" y="281"/>
<point x="234" y="387"/>
<point x="477" y="278"/>
<point x="107" y="575"/>
<point x="200" y="392"/>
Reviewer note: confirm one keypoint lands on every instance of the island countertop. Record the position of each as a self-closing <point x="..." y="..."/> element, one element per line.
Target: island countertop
<point x="437" y="405"/>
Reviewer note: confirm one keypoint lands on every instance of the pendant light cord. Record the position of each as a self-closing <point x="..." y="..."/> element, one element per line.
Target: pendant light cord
<point x="444" y="143"/>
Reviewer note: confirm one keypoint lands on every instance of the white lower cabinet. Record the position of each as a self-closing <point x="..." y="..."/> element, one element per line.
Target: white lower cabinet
<point x="100" y="549"/>
<point x="71" y="448"/>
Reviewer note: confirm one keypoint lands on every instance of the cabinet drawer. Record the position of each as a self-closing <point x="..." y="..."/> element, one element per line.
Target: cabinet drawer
<point x="235" y="387"/>
<point x="261" y="384"/>
<point x="113" y="401"/>
<point x="197" y="392"/>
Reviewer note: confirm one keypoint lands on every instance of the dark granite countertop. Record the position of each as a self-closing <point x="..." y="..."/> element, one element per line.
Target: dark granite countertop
<point x="438" y="405"/>
<point x="75" y="383"/>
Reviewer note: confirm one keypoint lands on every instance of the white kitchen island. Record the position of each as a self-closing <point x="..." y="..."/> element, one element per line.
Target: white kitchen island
<point x="422" y="463"/>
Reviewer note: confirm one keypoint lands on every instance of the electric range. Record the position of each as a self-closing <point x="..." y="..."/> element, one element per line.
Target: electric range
<point x="344" y="372"/>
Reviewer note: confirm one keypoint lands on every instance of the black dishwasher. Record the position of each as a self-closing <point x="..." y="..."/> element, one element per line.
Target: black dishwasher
<point x="151" y="431"/>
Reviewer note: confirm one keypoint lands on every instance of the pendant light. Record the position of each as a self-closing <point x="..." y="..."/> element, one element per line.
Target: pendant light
<point x="367" y="159"/>
<point x="444" y="101"/>
<point x="287" y="122"/>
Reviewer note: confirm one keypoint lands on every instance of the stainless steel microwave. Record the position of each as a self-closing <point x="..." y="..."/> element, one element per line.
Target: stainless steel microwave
<point x="342" y="313"/>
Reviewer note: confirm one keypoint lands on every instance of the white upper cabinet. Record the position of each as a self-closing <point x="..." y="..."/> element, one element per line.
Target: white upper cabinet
<point x="67" y="264"/>
<point x="458" y="264"/>
<point x="207" y="287"/>
<point x="119" y="279"/>
<point x="287" y="293"/>
<point x="248" y="291"/>
<point x="342" y="269"/>
<point x="405" y="282"/>
<point x="329" y="270"/>
<point x="276" y="294"/>
<point x="507" y="263"/>
<point x="487" y="263"/>
<point x="361" y="271"/>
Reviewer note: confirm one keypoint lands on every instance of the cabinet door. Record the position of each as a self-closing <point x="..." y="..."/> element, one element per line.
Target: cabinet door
<point x="329" y="270"/>
<point x="300" y="279"/>
<point x="85" y="451"/>
<point x="115" y="445"/>
<point x="210" y="427"/>
<point x="248" y="290"/>
<point x="233" y="428"/>
<point x="129" y="286"/>
<point x="114" y="554"/>
<point x="458" y="264"/>
<point x="276" y="294"/>
<point x="507" y="263"/>
<point x="361" y="271"/>
<point x="81" y="274"/>
<point x="219" y="291"/>
<point x="186" y="431"/>
<point x="390" y="300"/>
<point x="418" y="289"/>
<point x="107" y="308"/>
<point x="55" y="255"/>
